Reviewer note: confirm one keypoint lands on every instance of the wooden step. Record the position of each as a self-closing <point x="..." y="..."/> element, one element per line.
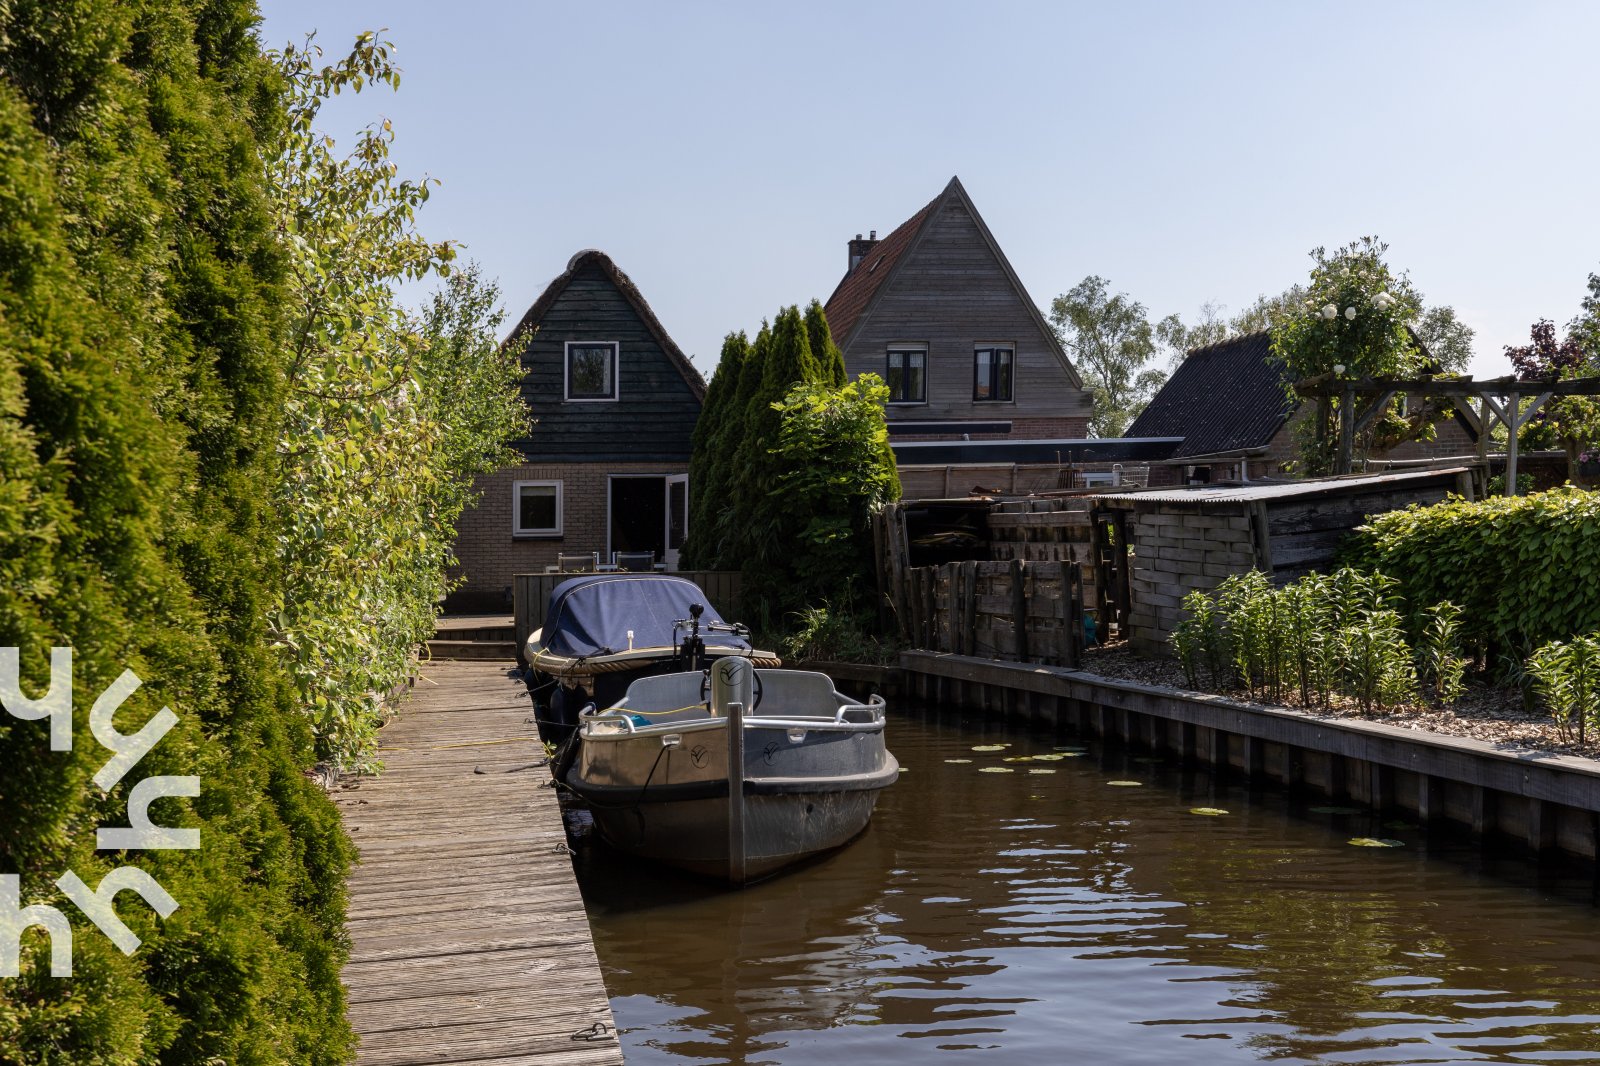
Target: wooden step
<point x="473" y="649"/>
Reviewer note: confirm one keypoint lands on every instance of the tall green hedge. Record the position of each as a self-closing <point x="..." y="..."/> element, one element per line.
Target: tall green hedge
<point x="1526" y="569"/>
<point x="140" y="385"/>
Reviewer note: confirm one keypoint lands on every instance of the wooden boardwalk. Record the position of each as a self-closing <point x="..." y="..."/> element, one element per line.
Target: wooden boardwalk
<point x="470" y="941"/>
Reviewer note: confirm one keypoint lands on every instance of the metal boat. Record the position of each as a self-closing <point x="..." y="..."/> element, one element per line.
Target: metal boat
<point x="735" y="772"/>
<point x="602" y="632"/>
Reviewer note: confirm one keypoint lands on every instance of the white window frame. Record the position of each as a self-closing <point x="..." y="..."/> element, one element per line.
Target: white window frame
<point x="911" y="348"/>
<point x="993" y="346"/>
<point x="566" y="372"/>
<point x="516" y="509"/>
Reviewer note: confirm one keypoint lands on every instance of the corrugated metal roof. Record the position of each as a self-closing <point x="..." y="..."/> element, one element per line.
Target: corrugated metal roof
<point x="1283" y="489"/>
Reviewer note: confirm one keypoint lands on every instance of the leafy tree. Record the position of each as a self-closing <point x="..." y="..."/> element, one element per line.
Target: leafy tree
<point x="1586" y="327"/>
<point x="1447" y="338"/>
<point x="1351" y="323"/>
<point x="1180" y="339"/>
<point x="387" y="417"/>
<point x="1110" y="340"/>
<point x="1568" y="422"/>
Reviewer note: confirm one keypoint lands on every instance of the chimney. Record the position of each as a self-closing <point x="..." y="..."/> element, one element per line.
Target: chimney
<point x="859" y="248"/>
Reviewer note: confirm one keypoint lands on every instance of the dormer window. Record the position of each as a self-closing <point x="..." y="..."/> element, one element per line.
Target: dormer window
<point x="991" y="374"/>
<point x="591" y="370"/>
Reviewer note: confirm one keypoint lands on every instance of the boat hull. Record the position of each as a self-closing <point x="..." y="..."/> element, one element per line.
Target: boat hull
<point x="691" y="833"/>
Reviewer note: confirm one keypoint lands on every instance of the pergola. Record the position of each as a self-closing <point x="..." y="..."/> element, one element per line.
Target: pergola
<point x="1499" y="400"/>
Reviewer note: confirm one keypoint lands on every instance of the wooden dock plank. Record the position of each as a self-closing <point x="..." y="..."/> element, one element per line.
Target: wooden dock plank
<point x="469" y="941"/>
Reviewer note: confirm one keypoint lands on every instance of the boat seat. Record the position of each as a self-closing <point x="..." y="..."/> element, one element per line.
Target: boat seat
<point x="664" y="692"/>
<point x="797" y="693"/>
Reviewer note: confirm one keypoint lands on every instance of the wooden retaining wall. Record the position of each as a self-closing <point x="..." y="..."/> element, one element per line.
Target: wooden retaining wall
<point x="1025" y="612"/>
<point x="1545" y="802"/>
<point x="531" y="592"/>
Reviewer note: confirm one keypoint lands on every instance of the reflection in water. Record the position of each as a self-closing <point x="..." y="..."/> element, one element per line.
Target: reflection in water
<point x="1050" y="917"/>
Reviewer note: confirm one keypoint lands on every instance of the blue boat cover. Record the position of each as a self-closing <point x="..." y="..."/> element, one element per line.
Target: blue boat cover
<point x="592" y="614"/>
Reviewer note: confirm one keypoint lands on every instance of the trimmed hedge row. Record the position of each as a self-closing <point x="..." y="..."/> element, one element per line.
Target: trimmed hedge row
<point x="141" y="383"/>
<point x="1525" y="569"/>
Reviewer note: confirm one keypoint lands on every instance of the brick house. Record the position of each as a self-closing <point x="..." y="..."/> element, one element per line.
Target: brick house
<point x="604" y="467"/>
<point x="1228" y="405"/>
<point x="978" y="380"/>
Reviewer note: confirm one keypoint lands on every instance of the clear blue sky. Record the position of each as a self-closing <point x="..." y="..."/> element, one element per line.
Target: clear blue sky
<point x="722" y="154"/>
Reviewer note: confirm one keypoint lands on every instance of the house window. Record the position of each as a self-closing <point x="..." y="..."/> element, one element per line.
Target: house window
<point x="991" y="374"/>
<point x="536" y="509"/>
<point x="591" y="370"/>
<point x="908" y="375"/>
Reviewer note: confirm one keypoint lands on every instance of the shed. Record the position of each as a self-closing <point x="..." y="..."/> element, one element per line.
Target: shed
<point x="1177" y="540"/>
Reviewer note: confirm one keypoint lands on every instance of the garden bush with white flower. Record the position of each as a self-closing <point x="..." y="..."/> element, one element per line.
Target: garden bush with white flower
<point x="1352" y="322"/>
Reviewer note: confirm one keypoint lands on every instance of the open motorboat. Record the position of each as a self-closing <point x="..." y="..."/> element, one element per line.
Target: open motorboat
<point x="604" y="631"/>
<point x="735" y="772"/>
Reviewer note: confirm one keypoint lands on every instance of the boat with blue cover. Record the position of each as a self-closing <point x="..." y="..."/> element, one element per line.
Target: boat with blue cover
<point x="602" y="632"/>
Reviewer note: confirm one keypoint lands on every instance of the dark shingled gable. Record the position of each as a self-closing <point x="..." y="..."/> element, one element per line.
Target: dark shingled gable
<point x="659" y="390"/>
<point x="1224" y="398"/>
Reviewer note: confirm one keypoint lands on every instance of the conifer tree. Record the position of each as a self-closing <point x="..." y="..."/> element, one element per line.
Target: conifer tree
<point x="827" y="353"/>
<point x="704" y="492"/>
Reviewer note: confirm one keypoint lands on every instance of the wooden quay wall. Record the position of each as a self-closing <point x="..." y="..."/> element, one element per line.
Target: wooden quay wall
<point x="1547" y="803"/>
<point x="470" y="943"/>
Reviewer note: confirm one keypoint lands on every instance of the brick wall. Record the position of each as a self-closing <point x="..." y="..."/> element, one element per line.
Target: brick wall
<point x="487" y="552"/>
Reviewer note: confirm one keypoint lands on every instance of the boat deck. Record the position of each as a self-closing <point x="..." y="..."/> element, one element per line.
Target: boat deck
<point x="470" y="940"/>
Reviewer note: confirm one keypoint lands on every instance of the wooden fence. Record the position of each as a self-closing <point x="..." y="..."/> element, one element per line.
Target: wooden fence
<point x="531" y="592"/>
<point x="1026" y="612"/>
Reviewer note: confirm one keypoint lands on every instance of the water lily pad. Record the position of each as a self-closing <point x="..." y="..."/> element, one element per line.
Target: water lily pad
<point x="1041" y="770"/>
<point x="995" y="770"/>
<point x="1209" y="812"/>
<point x="1017" y="758"/>
<point x="1126" y="784"/>
<point x="958" y="760"/>
<point x="1375" y="842"/>
<point x="1335" y="810"/>
<point x="1053" y="757"/>
<point x="990" y="747"/>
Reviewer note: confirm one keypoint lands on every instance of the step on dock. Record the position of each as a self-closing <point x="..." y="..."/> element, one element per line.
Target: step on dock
<point x="470" y="943"/>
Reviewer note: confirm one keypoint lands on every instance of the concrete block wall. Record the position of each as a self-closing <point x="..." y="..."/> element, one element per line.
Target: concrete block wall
<point x="487" y="551"/>
<point x="1176" y="551"/>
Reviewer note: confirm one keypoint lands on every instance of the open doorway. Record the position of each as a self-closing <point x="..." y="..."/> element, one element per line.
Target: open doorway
<point x="648" y="513"/>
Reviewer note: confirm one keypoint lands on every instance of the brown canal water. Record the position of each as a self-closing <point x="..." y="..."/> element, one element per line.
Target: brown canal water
<point x="1059" y="918"/>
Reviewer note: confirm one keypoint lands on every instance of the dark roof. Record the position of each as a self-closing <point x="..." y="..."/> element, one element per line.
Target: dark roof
<point x="1227" y="397"/>
<point x="625" y="285"/>
<point x="857" y="288"/>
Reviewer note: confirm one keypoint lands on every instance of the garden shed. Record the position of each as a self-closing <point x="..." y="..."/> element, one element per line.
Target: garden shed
<point x="1174" y="541"/>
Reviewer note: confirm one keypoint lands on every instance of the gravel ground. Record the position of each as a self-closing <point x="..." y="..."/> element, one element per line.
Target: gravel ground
<point x="1486" y="713"/>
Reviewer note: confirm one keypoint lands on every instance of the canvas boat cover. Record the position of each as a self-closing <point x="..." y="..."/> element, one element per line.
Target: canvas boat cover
<point x="592" y="614"/>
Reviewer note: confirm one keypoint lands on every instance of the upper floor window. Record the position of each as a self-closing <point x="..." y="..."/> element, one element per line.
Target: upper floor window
<point x="908" y="375"/>
<point x="536" y="508"/>
<point x="591" y="370"/>
<point x="991" y="374"/>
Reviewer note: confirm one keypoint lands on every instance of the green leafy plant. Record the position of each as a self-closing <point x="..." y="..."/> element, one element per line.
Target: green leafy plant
<point x="1439" y="659"/>
<point x="1566" y="675"/>
<point x="830" y="631"/>
<point x="1200" y="641"/>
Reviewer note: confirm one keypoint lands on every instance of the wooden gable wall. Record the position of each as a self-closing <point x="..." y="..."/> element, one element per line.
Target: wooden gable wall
<point x="654" y="416"/>
<point x="951" y="292"/>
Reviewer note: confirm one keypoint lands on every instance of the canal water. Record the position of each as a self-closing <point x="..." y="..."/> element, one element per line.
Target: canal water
<point x="1057" y="913"/>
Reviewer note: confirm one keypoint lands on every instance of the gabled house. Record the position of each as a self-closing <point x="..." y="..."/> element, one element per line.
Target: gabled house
<point x="937" y="311"/>
<point x="604" y="467"/>
<point x="1228" y="405"/>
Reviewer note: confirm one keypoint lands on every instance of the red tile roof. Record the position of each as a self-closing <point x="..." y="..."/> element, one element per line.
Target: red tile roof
<point x="856" y="289"/>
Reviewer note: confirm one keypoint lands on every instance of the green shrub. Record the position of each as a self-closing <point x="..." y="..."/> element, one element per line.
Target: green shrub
<point x="1438" y="652"/>
<point x="1523" y="569"/>
<point x="1566" y="675"/>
